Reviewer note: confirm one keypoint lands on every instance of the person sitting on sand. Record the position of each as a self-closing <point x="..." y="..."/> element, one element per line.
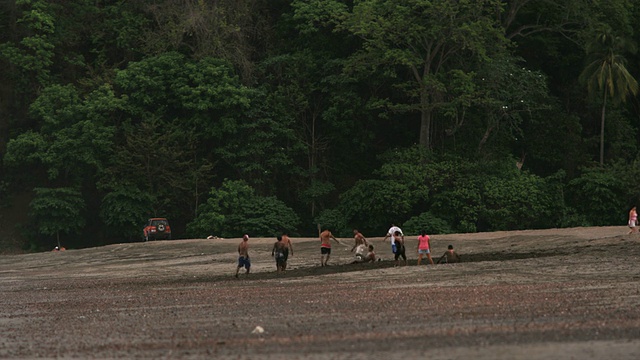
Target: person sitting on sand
<point x="450" y="256"/>
<point x="370" y="257"/>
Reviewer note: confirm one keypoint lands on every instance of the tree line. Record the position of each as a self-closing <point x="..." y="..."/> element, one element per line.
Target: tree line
<point x="258" y="116"/>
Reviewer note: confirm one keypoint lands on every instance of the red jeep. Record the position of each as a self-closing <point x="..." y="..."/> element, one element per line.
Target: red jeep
<point x="157" y="228"/>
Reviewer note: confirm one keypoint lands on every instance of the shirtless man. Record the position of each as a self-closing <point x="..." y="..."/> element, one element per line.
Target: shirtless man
<point x="288" y="248"/>
<point x="359" y="239"/>
<point x="243" y="255"/>
<point x="325" y="246"/>
<point x="278" y="253"/>
<point x="370" y="257"/>
<point x="450" y="256"/>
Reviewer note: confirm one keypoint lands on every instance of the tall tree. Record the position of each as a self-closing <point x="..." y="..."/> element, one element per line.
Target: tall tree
<point x="606" y="74"/>
<point x="414" y="41"/>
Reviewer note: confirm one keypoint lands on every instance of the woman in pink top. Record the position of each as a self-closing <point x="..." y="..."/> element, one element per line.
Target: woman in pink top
<point x="424" y="247"/>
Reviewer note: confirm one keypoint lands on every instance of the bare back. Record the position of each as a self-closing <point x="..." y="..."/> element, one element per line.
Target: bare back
<point x="325" y="238"/>
<point x="243" y="249"/>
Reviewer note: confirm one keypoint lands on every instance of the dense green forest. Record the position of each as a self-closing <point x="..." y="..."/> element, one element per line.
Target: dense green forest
<point x="257" y="116"/>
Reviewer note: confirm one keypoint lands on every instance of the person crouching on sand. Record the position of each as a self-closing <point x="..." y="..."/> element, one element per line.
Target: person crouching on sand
<point x="370" y="257"/>
<point x="450" y="256"/>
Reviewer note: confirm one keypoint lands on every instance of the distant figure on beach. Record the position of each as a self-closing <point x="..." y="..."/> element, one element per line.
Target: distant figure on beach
<point x="288" y="248"/>
<point x="278" y="253"/>
<point x="325" y="246"/>
<point x="392" y="237"/>
<point x="58" y="248"/>
<point x="369" y="257"/>
<point x="424" y="247"/>
<point x="633" y="220"/>
<point x="450" y="256"/>
<point x="243" y="255"/>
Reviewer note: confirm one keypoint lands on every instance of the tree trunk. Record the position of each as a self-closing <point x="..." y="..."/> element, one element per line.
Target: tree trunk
<point x="604" y="105"/>
<point x="425" y="128"/>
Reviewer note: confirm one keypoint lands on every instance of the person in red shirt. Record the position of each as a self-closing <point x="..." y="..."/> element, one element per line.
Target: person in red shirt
<point x="325" y="246"/>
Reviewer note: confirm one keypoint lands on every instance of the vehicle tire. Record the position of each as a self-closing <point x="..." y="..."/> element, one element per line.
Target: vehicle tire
<point x="161" y="227"/>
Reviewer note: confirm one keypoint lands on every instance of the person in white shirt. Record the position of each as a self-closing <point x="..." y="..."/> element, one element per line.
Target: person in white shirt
<point x="391" y="235"/>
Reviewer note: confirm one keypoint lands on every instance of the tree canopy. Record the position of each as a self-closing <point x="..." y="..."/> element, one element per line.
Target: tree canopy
<point x="262" y="116"/>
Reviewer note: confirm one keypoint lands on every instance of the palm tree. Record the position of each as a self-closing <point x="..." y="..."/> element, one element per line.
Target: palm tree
<point x="606" y="73"/>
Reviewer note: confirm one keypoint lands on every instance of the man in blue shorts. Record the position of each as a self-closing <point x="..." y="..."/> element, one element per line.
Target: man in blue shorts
<point x="243" y="255"/>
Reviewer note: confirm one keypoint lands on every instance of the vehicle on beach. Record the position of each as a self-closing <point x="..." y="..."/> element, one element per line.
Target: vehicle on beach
<point x="157" y="228"/>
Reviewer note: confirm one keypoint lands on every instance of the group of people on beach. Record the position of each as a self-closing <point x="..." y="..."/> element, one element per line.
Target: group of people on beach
<point x="363" y="250"/>
<point x="396" y="237"/>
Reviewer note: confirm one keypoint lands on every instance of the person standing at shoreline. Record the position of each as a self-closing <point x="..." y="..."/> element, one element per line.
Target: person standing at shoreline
<point x="278" y="253"/>
<point x="424" y="247"/>
<point x="243" y="255"/>
<point x="633" y="220"/>
<point x="288" y="248"/>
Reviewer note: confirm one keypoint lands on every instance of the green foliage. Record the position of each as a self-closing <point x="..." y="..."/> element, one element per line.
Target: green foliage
<point x="334" y="220"/>
<point x="517" y="202"/>
<point x="57" y="210"/>
<point x="427" y="222"/>
<point x="355" y="114"/>
<point x="33" y="55"/>
<point x="598" y="195"/>
<point x="234" y="209"/>
<point x="123" y="210"/>
<point x="372" y="203"/>
<point x="73" y="135"/>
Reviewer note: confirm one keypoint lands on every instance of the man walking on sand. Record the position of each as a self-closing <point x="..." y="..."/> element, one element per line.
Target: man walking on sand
<point x="278" y="253"/>
<point x="243" y="255"/>
<point x="325" y="246"/>
<point x="288" y="248"/>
